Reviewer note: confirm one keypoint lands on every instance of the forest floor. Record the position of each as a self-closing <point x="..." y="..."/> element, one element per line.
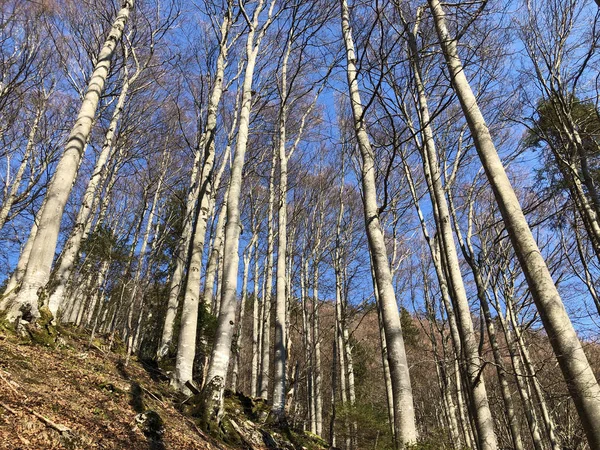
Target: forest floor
<point x="75" y="396"/>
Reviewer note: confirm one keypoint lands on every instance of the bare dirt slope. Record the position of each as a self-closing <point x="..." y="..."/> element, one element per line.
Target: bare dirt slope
<point x="80" y="397"/>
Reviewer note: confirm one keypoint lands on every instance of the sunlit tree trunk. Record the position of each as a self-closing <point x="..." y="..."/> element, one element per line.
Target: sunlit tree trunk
<point x="141" y="265"/>
<point x="573" y="362"/>
<point x="73" y="244"/>
<point x="268" y="289"/>
<point x="186" y="348"/>
<point x="238" y="341"/>
<point x="531" y="374"/>
<point x="448" y="401"/>
<point x="217" y="371"/>
<point x="481" y="409"/>
<point x="469" y="255"/>
<point x="42" y="253"/>
<point x="255" y="329"/>
<point x="183" y="248"/>
<point x="404" y="414"/>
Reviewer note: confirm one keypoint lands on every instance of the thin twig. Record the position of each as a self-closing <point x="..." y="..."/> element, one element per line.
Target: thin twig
<point x="57" y="426"/>
<point x="8" y="408"/>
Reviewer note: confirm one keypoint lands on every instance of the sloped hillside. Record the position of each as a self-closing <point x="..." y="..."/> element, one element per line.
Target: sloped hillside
<point x="66" y="393"/>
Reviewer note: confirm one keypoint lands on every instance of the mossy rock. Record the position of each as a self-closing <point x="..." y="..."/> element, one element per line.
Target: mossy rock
<point x="110" y="388"/>
<point x="42" y="331"/>
<point x="151" y="424"/>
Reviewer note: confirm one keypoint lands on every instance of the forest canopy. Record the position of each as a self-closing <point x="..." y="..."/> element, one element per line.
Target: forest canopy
<point x="380" y="218"/>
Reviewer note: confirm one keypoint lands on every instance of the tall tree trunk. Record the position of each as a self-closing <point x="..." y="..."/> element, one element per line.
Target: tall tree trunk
<point x="255" y="329"/>
<point x="389" y="393"/>
<point x="14" y="188"/>
<point x="520" y="377"/>
<point x="531" y="375"/>
<point x="316" y="337"/>
<point x="404" y="414"/>
<point x="78" y="235"/>
<point x="573" y="362"/>
<point x="308" y="344"/>
<point x="215" y="256"/>
<point x="142" y="259"/>
<point x="42" y="254"/>
<point x="186" y="348"/>
<point x="267" y="292"/>
<point x="445" y="294"/>
<point x="238" y="341"/>
<point x="280" y="357"/>
<point x="219" y="361"/>
<point x="441" y="366"/>
<point x="183" y="249"/>
<point x="480" y="407"/>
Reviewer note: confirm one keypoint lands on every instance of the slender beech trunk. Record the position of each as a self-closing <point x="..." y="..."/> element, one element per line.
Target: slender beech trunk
<point x="445" y="294"/>
<point x="141" y="261"/>
<point x="78" y="235"/>
<point x="14" y="188"/>
<point x="215" y="254"/>
<point x="308" y="344"/>
<point x="316" y="338"/>
<point x="404" y="413"/>
<point x="531" y="374"/>
<point x="441" y="367"/>
<point x="219" y="361"/>
<point x="238" y="341"/>
<point x="280" y="356"/>
<point x="255" y="329"/>
<point x="349" y="372"/>
<point x="267" y="300"/>
<point x="97" y="294"/>
<point x="469" y="255"/>
<point x="186" y="348"/>
<point x="389" y="393"/>
<point x="334" y="375"/>
<point x="42" y="254"/>
<point x="480" y="407"/>
<point x="509" y="408"/>
<point x="573" y="362"/>
<point x="520" y="377"/>
<point x="339" y="342"/>
<point x="183" y="248"/>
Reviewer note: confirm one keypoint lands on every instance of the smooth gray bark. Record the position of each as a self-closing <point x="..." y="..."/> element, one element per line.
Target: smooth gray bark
<point x="572" y="360"/>
<point x="42" y="254"/>
<point x="404" y="414"/>
<point x="78" y="234"/>
<point x="186" y="348"/>
<point x="221" y="352"/>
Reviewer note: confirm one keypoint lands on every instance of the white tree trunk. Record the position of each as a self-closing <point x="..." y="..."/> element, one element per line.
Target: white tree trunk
<point x="255" y="329"/>
<point x="280" y="357"/>
<point x="480" y="404"/>
<point x="186" y="348"/>
<point x="318" y="390"/>
<point x="404" y="413"/>
<point x="221" y="352"/>
<point x="238" y="341"/>
<point x="573" y="362"/>
<point x="42" y="254"/>
<point x="183" y="248"/>
<point x="263" y="390"/>
<point x="141" y="261"/>
<point x="78" y="235"/>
